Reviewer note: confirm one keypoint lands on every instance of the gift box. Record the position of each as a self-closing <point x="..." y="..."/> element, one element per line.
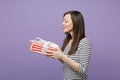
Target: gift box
<point x="39" y="45"/>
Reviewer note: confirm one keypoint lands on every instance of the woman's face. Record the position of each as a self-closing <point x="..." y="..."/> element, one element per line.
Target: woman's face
<point x="67" y="24"/>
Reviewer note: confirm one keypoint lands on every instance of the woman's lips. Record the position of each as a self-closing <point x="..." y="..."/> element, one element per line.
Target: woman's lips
<point x="64" y="27"/>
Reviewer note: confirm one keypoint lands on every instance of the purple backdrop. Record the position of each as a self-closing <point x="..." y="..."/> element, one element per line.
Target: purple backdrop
<point x="22" y="20"/>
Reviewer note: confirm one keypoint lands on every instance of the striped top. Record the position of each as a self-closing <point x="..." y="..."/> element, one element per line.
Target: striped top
<point x="82" y="56"/>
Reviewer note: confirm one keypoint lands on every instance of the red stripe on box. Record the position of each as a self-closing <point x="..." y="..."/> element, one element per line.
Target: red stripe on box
<point x="36" y="50"/>
<point x="37" y="45"/>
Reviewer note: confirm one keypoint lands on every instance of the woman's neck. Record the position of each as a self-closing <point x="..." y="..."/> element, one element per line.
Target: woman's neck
<point x="72" y="38"/>
<point x="70" y="42"/>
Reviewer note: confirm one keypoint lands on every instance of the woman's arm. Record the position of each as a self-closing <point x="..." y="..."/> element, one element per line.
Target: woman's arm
<point x="83" y="51"/>
<point x="73" y="64"/>
<point x="63" y="58"/>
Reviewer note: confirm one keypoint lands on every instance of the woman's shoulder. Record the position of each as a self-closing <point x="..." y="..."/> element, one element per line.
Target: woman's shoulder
<point x="85" y="40"/>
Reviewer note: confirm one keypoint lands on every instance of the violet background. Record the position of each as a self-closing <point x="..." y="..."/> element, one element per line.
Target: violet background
<point x="23" y="20"/>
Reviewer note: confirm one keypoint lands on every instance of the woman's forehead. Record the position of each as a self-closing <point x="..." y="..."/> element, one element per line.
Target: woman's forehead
<point x="67" y="16"/>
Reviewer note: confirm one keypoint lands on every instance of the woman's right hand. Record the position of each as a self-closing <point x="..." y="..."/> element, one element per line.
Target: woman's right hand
<point x="54" y="53"/>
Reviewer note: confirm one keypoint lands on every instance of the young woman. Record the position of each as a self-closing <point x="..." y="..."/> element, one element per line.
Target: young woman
<point x="76" y="49"/>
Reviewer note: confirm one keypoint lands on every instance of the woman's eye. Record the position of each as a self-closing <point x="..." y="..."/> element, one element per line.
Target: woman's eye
<point x="66" y="21"/>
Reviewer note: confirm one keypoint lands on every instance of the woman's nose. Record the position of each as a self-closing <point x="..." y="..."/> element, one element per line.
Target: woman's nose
<point x="62" y="23"/>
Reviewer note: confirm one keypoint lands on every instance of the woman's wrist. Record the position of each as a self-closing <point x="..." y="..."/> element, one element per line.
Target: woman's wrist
<point x="63" y="56"/>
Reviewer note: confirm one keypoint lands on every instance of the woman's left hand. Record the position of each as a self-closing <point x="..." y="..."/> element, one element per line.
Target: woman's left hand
<point x="54" y="53"/>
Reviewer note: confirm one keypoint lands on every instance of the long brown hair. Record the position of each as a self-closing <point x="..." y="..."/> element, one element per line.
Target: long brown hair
<point x="78" y="31"/>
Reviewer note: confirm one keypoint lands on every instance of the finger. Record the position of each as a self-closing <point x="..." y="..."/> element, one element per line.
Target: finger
<point x="52" y="48"/>
<point x="49" y="54"/>
<point x="51" y="57"/>
<point x="49" y="51"/>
